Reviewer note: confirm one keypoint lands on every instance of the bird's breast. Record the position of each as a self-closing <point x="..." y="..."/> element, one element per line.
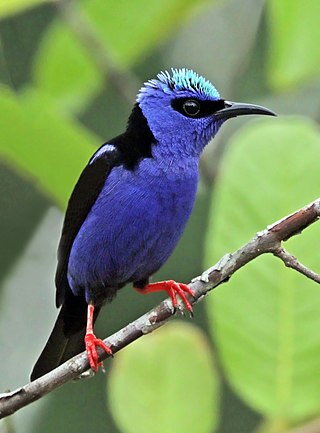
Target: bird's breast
<point x="133" y="226"/>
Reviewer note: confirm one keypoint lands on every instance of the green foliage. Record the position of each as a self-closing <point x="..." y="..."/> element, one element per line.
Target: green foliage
<point x="294" y="42"/>
<point x="11" y="7"/>
<point x="161" y="393"/>
<point x="42" y="144"/>
<point x="115" y="25"/>
<point x="266" y="321"/>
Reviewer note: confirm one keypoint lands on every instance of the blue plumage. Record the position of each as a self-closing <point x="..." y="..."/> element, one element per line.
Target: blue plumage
<point x="130" y="206"/>
<point x="133" y="226"/>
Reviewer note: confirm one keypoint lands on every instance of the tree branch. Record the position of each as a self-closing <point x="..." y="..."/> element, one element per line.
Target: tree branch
<point x="292" y="262"/>
<point x="266" y="241"/>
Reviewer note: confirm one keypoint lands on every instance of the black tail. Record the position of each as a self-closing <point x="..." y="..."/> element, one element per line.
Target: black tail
<point x="67" y="337"/>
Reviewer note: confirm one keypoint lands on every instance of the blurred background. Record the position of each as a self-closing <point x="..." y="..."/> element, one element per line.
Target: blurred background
<point x="249" y="361"/>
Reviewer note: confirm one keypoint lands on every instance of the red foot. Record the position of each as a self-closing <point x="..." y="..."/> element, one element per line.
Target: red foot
<point x="173" y="289"/>
<point x="92" y="342"/>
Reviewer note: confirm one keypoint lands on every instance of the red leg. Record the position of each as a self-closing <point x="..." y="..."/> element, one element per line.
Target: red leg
<point x="92" y="341"/>
<point x="173" y="289"/>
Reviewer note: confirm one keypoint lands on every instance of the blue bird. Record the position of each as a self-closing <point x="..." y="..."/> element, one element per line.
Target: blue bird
<point x="130" y="206"/>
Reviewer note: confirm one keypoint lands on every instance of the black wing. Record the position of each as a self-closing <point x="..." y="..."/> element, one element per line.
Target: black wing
<point x="127" y="149"/>
<point x="82" y="199"/>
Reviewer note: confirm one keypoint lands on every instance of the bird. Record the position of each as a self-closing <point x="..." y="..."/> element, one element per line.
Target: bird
<point x="130" y="206"/>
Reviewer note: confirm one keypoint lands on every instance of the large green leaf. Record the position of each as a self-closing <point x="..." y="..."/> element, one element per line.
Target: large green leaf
<point x="267" y="318"/>
<point x="294" y="42"/>
<point x="165" y="382"/>
<point x="43" y="145"/>
<point x="11" y="7"/>
<point x="64" y="68"/>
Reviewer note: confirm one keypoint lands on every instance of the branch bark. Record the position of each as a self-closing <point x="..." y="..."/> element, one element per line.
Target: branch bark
<point x="267" y="241"/>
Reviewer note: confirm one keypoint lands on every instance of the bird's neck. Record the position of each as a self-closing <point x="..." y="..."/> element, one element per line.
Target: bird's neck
<point x="161" y="153"/>
<point x="172" y="167"/>
<point x="136" y="142"/>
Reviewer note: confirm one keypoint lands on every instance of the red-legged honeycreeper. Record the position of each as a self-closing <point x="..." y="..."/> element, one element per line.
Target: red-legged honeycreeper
<point x="130" y="206"/>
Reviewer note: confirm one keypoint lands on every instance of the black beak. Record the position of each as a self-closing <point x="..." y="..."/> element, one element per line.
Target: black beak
<point x="234" y="109"/>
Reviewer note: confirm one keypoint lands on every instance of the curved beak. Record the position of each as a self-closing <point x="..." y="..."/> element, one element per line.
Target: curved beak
<point x="234" y="109"/>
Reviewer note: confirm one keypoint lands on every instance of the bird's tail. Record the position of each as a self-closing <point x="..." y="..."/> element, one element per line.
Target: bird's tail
<point x="67" y="337"/>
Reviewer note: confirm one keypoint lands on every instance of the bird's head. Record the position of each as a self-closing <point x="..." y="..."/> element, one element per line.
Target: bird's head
<point x="184" y="109"/>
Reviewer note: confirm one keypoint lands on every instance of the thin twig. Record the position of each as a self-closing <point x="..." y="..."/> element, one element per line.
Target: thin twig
<point x="292" y="262"/>
<point x="266" y="241"/>
<point x="125" y="83"/>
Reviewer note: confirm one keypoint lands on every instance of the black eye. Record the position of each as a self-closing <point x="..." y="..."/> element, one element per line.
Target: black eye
<point x="191" y="107"/>
<point x="197" y="108"/>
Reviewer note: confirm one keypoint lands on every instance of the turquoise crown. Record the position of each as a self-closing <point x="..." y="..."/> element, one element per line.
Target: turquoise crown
<point x="180" y="80"/>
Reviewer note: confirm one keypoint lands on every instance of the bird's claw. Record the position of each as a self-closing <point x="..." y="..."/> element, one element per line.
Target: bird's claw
<point x="173" y="289"/>
<point x="91" y="342"/>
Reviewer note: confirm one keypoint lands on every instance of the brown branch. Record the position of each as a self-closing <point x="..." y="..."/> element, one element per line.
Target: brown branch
<point x="292" y="262"/>
<point x="266" y="241"/>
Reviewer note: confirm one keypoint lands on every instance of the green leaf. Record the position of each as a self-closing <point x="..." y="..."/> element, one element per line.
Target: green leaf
<point x="28" y="312"/>
<point x="64" y="68"/>
<point x="266" y="319"/>
<point x="48" y="148"/>
<point x="294" y="42"/>
<point x="11" y="7"/>
<point x="165" y="382"/>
